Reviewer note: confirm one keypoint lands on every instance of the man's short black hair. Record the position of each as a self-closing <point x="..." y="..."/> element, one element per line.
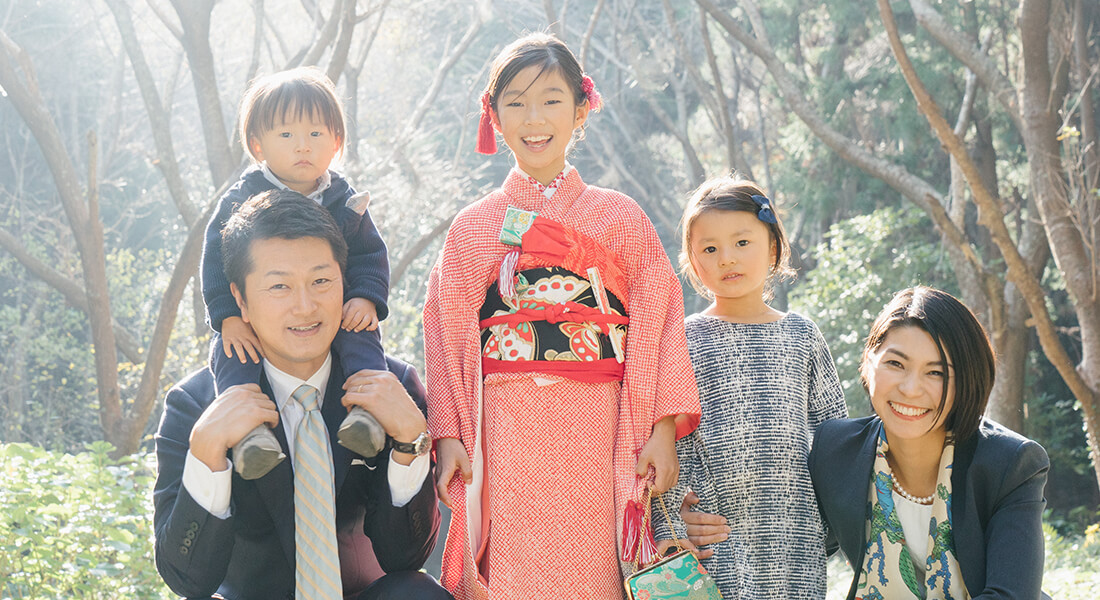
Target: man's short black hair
<point x="279" y="214"/>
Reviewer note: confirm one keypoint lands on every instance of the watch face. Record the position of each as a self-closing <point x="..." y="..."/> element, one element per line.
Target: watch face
<point x="421" y="445"/>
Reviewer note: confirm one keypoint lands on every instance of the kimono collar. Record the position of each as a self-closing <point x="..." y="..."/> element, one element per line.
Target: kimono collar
<point x="527" y="196"/>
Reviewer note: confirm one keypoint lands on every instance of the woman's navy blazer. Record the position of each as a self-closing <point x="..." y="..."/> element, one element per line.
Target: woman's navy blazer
<point x="996" y="502"/>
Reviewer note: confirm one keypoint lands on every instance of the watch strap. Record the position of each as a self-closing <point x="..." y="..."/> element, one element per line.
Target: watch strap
<point x="421" y="445"/>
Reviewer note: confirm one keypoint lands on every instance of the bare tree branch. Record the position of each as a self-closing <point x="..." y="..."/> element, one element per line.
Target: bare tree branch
<point x="913" y="188"/>
<point x="963" y="49"/>
<point x="421" y="244"/>
<point x="158" y="117"/>
<point x="194" y="17"/>
<point x="1039" y="105"/>
<point x="165" y="18"/>
<point x="339" y="59"/>
<point x="99" y="304"/>
<point x="991" y="216"/>
<point x="258" y="17"/>
<point x="591" y="29"/>
<point x="557" y="27"/>
<point x="327" y="35"/>
<point x="445" y="66"/>
<point x="186" y="267"/>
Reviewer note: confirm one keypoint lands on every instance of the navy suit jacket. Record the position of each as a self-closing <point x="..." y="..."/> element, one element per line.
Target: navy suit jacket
<point x="997" y="502"/>
<point x="251" y="554"/>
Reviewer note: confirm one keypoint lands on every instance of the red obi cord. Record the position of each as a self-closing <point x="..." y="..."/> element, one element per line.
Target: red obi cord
<point x="567" y="311"/>
<point x="592" y="371"/>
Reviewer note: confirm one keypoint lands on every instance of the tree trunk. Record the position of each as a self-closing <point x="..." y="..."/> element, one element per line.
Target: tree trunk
<point x="1006" y="401"/>
<point x="1041" y="123"/>
<point x="194" y="17"/>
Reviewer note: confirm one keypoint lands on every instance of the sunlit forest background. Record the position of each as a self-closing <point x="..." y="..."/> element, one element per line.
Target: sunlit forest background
<point x="951" y="144"/>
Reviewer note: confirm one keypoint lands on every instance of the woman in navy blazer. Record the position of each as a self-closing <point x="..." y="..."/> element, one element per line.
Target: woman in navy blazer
<point x="929" y="368"/>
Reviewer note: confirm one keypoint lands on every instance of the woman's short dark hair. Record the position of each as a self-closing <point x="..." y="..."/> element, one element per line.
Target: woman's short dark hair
<point x="958" y="336"/>
<point x="282" y="214"/>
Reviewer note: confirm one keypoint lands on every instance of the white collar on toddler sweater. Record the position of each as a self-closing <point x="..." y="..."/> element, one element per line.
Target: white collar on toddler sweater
<point x="323" y="182"/>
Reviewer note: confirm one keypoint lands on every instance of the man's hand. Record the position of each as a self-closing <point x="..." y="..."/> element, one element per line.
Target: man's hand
<point x="451" y="457"/>
<point x="664" y="545"/>
<point x="234" y="413"/>
<point x="238" y="337"/>
<point x="359" y="314"/>
<point x="660" y="452"/>
<point x="381" y="394"/>
<point x="702" y="528"/>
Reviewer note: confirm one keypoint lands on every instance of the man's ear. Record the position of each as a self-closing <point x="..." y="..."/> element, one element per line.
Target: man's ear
<point x="239" y="297"/>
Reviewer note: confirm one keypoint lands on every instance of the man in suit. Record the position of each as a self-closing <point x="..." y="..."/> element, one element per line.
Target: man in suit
<point x="219" y="535"/>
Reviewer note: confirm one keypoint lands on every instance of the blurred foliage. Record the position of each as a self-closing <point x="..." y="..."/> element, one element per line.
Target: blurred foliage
<point x="76" y="525"/>
<point x="49" y="373"/>
<point x="1072" y="567"/>
<point x="863" y="261"/>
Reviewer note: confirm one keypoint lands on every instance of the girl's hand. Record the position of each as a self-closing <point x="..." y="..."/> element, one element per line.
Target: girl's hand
<point x="660" y="453"/>
<point x="238" y="337"/>
<point x="360" y="314"/>
<point x="450" y="457"/>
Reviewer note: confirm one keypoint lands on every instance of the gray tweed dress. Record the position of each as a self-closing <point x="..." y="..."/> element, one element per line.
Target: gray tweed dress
<point x="764" y="389"/>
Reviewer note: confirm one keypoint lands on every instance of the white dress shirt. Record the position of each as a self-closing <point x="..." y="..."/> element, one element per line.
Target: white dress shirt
<point x="212" y="489"/>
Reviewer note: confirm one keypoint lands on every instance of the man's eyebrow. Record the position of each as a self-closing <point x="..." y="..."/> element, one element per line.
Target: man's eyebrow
<point x="276" y="272"/>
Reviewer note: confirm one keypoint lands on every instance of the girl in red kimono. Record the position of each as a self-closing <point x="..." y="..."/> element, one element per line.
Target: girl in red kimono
<point x="558" y="372"/>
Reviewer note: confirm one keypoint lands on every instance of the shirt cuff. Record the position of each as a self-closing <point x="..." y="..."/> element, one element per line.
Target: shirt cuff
<point x="405" y="482"/>
<point x="209" y="489"/>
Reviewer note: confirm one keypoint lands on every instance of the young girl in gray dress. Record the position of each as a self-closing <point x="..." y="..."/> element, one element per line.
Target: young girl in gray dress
<point x="766" y="381"/>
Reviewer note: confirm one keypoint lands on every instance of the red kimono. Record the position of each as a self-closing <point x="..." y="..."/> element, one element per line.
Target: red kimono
<point x="551" y="418"/>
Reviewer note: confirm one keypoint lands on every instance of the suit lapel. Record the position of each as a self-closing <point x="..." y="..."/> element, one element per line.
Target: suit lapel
<point x="334" y="412"/>
<point x="858" y="483"/>
<point x="966" y="535"/>
<point x="277" y="489"/>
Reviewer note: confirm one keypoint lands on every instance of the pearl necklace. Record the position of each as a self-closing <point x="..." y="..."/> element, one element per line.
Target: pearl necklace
<point x="924" y="501"/>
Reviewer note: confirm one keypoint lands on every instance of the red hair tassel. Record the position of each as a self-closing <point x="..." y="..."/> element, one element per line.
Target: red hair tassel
<point x="486" y="136"/>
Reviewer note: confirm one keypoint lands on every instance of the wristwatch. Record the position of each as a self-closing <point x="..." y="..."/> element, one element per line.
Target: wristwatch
<point x="420" y="446"/>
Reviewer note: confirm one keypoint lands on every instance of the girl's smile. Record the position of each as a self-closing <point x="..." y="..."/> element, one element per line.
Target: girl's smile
<point x="537" y="115"/>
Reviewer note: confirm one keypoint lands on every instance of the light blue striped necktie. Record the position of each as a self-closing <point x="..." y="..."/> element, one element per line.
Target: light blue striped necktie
<point x="317" y="560"/>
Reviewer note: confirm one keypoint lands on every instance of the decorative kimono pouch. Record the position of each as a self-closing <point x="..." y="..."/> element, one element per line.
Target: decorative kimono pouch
<point x="677" y="576"/>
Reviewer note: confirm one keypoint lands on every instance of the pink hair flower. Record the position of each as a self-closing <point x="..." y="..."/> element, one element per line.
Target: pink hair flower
<point x="595" y="102"/>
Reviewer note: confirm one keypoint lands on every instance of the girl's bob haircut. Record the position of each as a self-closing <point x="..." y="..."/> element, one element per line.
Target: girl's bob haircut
<point x="732" y="194"/>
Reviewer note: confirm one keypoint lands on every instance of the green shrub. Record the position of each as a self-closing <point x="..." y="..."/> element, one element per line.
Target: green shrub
<point x="76" y="526"/>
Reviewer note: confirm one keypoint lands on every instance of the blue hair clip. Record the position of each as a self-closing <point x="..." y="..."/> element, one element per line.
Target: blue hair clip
<point x="765" y="212"/>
